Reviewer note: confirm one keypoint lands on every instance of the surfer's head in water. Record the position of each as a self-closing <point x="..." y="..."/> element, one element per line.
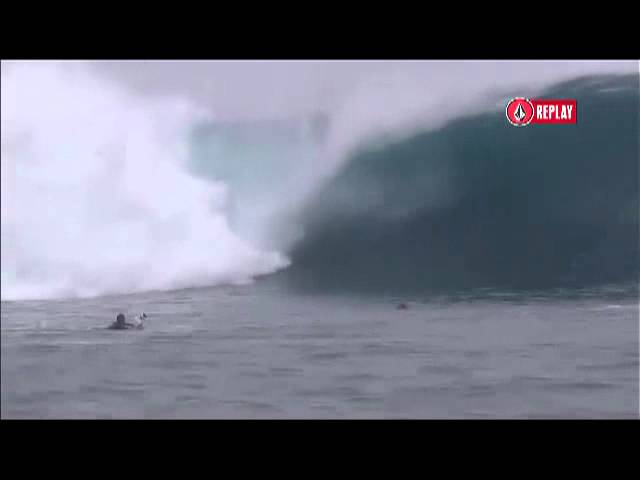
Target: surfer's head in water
<point x="120" y="323"/>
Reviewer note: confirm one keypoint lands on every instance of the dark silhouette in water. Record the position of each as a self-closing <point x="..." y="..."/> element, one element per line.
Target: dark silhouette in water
<point x="402" y="306"/>
<point x="120" y="323"/>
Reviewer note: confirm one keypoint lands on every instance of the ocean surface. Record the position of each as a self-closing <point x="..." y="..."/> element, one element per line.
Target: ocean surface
<point x="269" y="217"/>
<point x="260" y="352"/>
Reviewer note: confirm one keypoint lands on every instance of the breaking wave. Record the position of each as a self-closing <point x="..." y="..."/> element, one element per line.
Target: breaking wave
<point x="479" y="203"/>
<point x="399" y="186"/>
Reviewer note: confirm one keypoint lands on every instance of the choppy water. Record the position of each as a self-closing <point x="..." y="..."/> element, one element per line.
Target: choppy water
<point x="259" y="352"/>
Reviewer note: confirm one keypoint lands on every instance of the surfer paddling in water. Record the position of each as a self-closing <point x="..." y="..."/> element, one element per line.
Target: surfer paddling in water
<point x="122" y="324"/>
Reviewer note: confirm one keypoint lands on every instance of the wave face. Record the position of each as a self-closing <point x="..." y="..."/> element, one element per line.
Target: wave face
<point x="479" y="203"/>
<point x="96" y="194"/>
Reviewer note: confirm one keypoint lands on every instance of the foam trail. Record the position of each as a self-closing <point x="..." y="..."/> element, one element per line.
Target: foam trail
<point x="95" y="194"/>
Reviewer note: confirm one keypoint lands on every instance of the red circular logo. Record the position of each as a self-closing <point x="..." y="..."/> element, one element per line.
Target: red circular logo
<point x="519" y="111"/>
